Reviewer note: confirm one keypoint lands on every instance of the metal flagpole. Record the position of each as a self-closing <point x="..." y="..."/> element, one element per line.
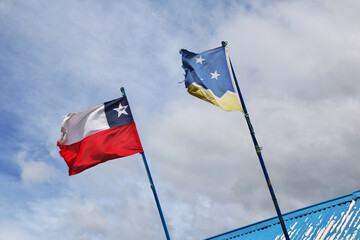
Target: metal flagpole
<point x="258" y="150"/>
<point x="155" y="196"/>
<point x="152" y="186"/>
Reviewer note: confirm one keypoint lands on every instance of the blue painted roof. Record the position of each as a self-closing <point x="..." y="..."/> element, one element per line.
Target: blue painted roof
<point x="334" y="219"/>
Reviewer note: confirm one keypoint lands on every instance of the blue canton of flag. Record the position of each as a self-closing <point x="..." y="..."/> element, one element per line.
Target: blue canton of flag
<point x="118" y="112"/>
<point x="209" y="76"/>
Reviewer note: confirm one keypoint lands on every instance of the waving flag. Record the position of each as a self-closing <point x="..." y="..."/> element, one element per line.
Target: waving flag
<point x="209" y="76"/>
<point x="100" y="133"/>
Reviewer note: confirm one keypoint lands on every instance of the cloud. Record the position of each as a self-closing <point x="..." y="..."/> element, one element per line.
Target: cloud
<point x="289" y="66"/>
<point x="296" y="45"/>
<point x="297" y="66"/>
<point x="34" y="172"/>
<point x="8" y="231"/>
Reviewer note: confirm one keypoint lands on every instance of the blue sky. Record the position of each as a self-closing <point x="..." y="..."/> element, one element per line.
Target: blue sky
<point x="297" y="63"/>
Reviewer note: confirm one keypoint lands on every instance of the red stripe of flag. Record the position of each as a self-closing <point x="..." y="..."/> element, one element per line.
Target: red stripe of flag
<point x="100" y="147"/>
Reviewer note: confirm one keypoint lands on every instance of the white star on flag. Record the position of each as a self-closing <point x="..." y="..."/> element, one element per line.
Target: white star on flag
<point x="121" y="110"/>
<point x="199" y="60"/>
<point x="215" y="75"/>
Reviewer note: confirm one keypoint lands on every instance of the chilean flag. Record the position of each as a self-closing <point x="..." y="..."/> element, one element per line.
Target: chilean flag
<point x="98" y="134"/>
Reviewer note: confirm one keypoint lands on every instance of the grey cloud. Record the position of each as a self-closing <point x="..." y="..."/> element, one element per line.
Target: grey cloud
<point x="296" y="63"/>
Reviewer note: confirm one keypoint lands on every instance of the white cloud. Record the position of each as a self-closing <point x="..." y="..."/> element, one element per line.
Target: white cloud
<point x="33" y="172"/>
<point x="297" y="65"/>
<point x="14" y="232"/>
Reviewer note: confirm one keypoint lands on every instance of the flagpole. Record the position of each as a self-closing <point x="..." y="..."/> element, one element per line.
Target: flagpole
<point x="152" y="186"/>
<point x="258" y="151"/>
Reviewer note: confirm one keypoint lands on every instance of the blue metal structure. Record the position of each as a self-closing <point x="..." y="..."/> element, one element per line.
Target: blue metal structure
<point x="334" y="219"/>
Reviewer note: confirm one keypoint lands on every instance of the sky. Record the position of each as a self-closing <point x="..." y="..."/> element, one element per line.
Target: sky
<point x="298" y="67"/>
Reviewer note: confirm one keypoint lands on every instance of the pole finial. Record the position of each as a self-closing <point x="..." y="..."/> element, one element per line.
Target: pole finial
<point x="224" y="43"/>
<point x="123" y="91"/>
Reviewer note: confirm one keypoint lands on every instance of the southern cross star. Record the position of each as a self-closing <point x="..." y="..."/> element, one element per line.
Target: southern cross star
<point x="215" y="75"/>
<point x="121" y="110"/>
<point x="199" y="60"/>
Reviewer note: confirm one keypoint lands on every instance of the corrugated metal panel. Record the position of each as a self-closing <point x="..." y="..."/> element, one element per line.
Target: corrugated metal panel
<point x="335" y="219"/>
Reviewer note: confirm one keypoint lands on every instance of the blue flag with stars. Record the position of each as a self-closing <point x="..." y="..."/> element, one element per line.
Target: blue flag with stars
<point x="209" y="76"/>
